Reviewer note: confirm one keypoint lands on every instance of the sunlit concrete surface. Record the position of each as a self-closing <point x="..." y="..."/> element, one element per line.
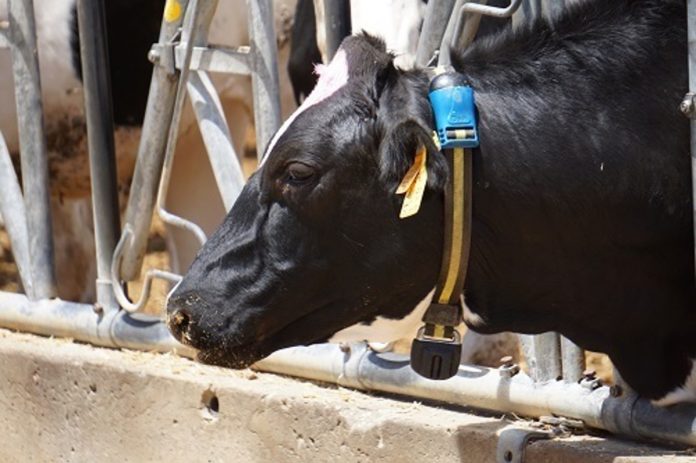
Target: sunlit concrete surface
<point x="62" y="401"/>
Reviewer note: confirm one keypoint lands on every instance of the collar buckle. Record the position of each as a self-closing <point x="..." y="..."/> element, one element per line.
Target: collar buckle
<point x="436" y="352"/>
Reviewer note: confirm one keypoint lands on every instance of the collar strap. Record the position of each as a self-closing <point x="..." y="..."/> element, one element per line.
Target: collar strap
<point x="436" y="351"/>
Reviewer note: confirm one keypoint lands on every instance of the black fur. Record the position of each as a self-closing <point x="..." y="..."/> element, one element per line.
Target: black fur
<point x="582" y="201"/>
<point x="304" y="53"/>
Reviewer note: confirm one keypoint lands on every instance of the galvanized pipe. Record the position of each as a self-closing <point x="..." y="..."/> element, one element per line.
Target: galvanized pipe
<point x="148" y="166"/>
<point x="15" y="220"/>
<point x="357" y="367"/>
<point x="32" y="142"/>
<point x="543" y="355"/>
<point x="691" y="24"/>
<point x="468" y="27"/>
<point x="437" y="15"/>
<point x="83" y="323"/>
<point x="572" y="360"/>
<point x="119" y="293"/>
<point x="496" y="12"/>
<point x="91" y="19"/>
<point x="216" y="137"/>
<point x="337" y="24"/>
<point x="553" y="8"/>
<point x="466" y="12"/>
<point x="264" y="79"/>
<point x="196" y="24"/>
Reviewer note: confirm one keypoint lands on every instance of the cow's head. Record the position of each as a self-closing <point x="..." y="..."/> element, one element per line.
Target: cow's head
<point x="314" y="243"/>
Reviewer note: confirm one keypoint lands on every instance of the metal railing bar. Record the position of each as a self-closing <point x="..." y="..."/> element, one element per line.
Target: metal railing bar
<point x="553" y="8"/>
<point x="196" y="22"/>
<point x="227" y="60"/>
<point x="32" y="142"/>
<point x="337" y="24"/>
<point x="217" y="59"/>
<point x="572" y="360"/>
<point x="691" y="31"/>
<point x="464" y="11"/>
<point x="543" y="355"/>
<point x="356" y="366"/>
<point x="91" y="18"/>
<point x="119" y="293"/>
<point x="151" y="150"/>
<point x="467" y="27"/>
<point x="264" y="80"/>
<point x="83" y="323"/>
<point x="496" y="12"/>
<point x="437" y="15"/>
<point x="14" y="214"/>
<point x="216" y="137"/>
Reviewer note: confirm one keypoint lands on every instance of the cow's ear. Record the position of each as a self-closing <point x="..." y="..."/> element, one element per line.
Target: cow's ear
<point x="369" y="63"/>
<point x="398" y="150"/>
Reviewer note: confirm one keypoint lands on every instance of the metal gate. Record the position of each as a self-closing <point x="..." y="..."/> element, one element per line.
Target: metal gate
<point x="555" y="386"/>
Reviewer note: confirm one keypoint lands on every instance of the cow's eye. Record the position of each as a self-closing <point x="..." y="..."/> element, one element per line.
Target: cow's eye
<point x="297" y="172"/>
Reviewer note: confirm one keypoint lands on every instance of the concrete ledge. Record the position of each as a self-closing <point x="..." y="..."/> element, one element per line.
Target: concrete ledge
<point x="61" y="401"/>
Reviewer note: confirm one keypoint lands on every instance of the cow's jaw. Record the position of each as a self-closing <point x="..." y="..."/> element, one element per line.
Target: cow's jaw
<point x="685" y="393"/>
<point x="383" y="329"/>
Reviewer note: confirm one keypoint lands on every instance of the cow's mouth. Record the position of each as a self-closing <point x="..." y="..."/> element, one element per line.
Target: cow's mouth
<point x="239" y="356"/>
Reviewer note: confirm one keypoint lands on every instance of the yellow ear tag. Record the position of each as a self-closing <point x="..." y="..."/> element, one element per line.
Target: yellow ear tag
<point x="413" y="184"/>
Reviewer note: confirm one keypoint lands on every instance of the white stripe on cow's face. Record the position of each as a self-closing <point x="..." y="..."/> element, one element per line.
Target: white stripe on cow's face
<point x="331" y="79"/>
<point x="685" y="393"/>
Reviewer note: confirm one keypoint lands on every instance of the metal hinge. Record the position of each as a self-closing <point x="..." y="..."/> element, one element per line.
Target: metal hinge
<point x="513" y="441"/>
<point x="688" y="105"/>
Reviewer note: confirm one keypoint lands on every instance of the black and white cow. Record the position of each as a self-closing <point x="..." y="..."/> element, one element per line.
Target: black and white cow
<point x="397" y="22"/>
<point x="582" y="201"/>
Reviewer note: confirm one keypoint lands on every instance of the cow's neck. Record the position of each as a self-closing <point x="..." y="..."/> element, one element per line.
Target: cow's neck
<point x="563" y="240"/>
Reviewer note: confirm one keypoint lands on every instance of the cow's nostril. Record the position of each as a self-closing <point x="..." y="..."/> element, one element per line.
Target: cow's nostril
<point x="179" y="323"/>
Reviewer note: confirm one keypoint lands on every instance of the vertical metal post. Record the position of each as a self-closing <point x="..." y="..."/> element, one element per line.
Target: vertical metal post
<point x="437" y="15"/>
<point x="572" y="360"/>
<point x="148" y="167"/>
<point x="337" y="24"/>
<point x="531" y="9"/>
<point x="264" y="78"/>
<point x="14" y="213"/>
<point x="553" y="8"/>
<point x="25" y="69"/>
<point x="543" y="355"/>
<point x="691" y="24"/>
<point x="468" y="28"/>
<point x="216" y="137"/>
<point x="91" y="20"/>
<point x="449" y="37"/>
